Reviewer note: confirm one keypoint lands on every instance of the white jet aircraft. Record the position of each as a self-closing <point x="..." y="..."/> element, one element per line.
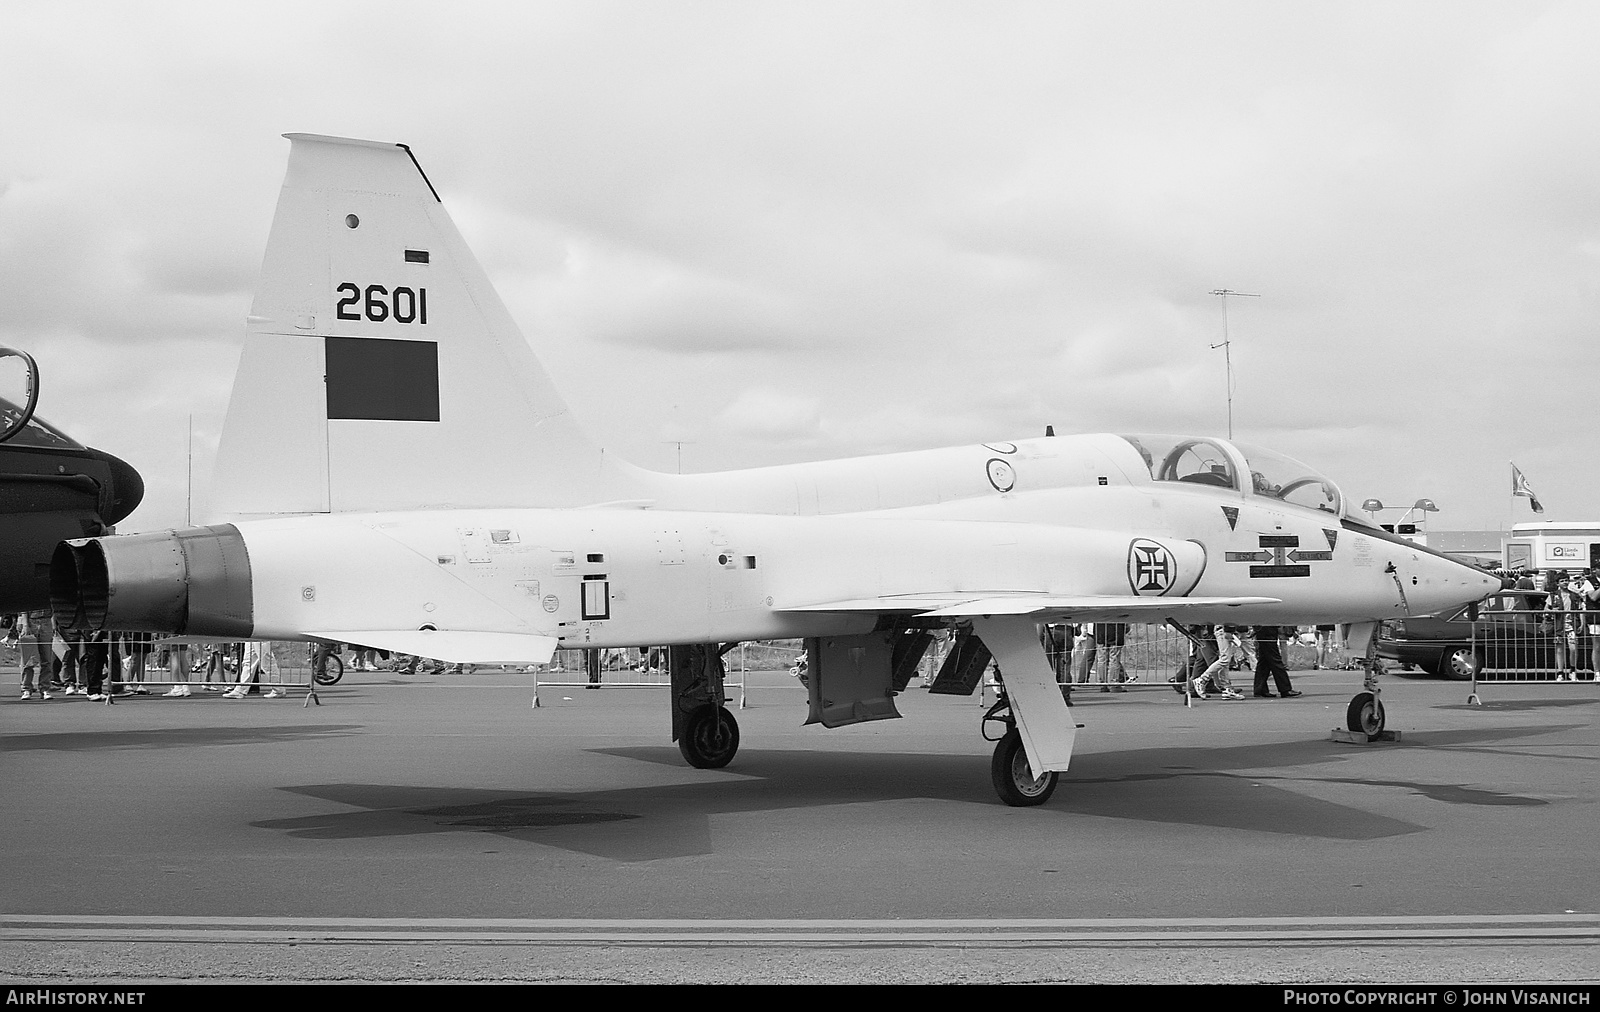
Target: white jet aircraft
<point x="397" y="470"/>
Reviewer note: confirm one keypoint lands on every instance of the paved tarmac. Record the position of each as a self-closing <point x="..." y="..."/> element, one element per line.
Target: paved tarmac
<point x="440" y="828"/>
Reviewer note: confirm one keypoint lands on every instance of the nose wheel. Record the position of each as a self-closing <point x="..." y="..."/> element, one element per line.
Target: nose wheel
<point x="1365" y="715"/>
<point x="710" y="738"/>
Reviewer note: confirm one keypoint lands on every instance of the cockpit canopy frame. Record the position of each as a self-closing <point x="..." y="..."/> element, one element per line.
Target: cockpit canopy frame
<point x="1218" y="463"/>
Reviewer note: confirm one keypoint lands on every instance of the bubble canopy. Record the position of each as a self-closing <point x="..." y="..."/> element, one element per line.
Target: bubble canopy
<point x="1241" y="467"/>
<point x="33" y="431"/>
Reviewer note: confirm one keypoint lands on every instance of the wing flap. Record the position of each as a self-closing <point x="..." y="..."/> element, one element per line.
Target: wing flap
<point x="913" y="604"/>
<point x="455" y="647"/>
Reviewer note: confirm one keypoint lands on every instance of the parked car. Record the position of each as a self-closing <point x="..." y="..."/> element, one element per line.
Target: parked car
<point x="1514" y="634"/>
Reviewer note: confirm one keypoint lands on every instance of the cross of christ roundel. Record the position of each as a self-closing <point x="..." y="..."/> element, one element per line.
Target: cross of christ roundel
<point x="1152" y="571"/>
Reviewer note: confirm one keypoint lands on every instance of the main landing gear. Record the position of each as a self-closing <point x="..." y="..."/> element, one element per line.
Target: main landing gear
<point x="710" y="738"/>
<point x="1013" y="779"/>
<point x="705" y="731"/>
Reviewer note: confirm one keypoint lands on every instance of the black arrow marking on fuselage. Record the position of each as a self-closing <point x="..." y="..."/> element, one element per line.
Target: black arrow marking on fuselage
<point x="1280" y="557"/>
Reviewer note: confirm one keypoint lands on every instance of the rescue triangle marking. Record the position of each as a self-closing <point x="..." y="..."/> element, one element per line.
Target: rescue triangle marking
<point x="1232" y="513"/>
<point x="1333" y="538"/>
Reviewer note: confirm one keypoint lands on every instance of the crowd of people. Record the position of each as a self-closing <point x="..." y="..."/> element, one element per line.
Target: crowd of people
<point x="1078" y="651"/>
<point x="68" y="662"/>
<point x="372" y="659"/>
<point x="1569" y="603"/>
<point x="56" y="661"/>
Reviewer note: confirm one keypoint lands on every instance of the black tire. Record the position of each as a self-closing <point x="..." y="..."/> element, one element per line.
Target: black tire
<point x="1460" y="665"/>
<point x="331" y="672"/>
<point x="1364" y="715"/>
<point x="710" y="738"/>
<point x="1013" y="780"/>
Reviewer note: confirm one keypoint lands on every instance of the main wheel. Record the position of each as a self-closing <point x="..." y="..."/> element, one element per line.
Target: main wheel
<point x="1365" y="714"/>
<point x="710" y="738"/>
<point x="1460" y="664"/>
<point x="331" y="672"/>
<point x="1013" y="779"/>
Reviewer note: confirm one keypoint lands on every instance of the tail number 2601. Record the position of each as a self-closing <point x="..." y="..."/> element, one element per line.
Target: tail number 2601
<point x="379" y="304"/>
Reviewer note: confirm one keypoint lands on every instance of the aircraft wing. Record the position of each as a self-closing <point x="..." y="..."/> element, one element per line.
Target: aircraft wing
<point x="1099" y="607"/>
<point x="454" y="647"/>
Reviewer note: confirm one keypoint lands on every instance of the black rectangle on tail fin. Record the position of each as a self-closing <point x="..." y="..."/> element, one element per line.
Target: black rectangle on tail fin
<point x="383" y="379"/>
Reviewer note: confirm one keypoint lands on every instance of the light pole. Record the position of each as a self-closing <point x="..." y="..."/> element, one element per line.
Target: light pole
<point x="1227" y="346"/>
<point x="1426" y="506"/>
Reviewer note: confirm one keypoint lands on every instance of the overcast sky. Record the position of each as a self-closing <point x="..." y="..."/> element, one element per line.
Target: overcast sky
<point x="788" y="231"/>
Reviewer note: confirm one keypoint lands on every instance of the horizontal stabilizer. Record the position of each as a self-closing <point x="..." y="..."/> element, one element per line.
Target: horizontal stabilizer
<point x="452" y="647"/>
<point x="1042" y="607"/>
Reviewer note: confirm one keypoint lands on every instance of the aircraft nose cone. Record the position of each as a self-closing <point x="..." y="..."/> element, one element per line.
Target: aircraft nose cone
<point x="127" y="487"/>
<point x="1478" y="585"/>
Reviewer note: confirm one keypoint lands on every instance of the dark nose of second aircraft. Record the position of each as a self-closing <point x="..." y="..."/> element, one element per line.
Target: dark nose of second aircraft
<point x="127" y="488"/>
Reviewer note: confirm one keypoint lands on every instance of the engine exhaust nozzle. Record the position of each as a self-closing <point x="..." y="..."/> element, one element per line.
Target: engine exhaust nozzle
<point x="191" y="582"/>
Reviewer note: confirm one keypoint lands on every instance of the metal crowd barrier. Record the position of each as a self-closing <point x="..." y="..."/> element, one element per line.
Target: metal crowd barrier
<point x="145" y="671"/>
<point x="627" y="668"/>
<point x="1519" y="645"/>
<point x="1152" y="656"/>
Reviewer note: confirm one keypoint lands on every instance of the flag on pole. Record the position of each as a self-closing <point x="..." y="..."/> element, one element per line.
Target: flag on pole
<point x="1519" y="486"/>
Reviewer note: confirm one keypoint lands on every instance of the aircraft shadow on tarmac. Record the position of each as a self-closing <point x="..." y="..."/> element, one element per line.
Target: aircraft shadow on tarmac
<point x="1186" y="786"/>
<point x="1517" y="704"/>
<point x="1467" y="741"/>
<point x="170" y="737"/>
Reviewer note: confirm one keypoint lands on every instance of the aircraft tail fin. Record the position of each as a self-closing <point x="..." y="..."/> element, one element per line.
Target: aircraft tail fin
<point x="380" y="369"/>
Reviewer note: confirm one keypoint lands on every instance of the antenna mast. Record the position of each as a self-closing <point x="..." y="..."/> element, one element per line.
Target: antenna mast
<point x="188" y="502"/>
<point x="1227" y="346"/>
<point x="679" y="444"/>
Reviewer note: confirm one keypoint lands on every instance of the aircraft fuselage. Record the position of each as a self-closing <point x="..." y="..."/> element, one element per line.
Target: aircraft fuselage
<point x="639" y="574"/>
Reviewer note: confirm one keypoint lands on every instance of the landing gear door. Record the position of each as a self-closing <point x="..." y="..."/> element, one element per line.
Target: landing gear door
<point x="1043" y="718"/>
<point x="851" y="679"/>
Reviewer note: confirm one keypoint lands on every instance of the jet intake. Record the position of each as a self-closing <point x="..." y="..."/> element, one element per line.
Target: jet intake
<point x="194" y="582"/>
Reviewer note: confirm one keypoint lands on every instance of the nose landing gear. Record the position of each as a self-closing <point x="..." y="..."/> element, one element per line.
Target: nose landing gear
<point x="1365" y="715"/>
